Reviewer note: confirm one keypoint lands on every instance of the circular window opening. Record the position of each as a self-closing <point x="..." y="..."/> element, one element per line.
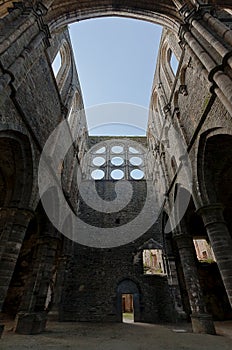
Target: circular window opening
<point x="117" y="149"/>
<point x="136" y="161"/>
<point x="101" y="150"/>
<point x="117" y="174"/>
<point x="137" y="174"/>
<point x="98" y="161"/>
<point x="97" y="174"/>
<point x="133" y="150"/>
<point x="117" y="161"/>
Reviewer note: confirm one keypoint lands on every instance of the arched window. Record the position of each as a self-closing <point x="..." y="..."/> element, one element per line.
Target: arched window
<point x="169" y="63"/>
<point x="165" y="63"/>
<point x="61" y="64"/>
<point x="56" y="64"/>
<point x="173" y="61"/>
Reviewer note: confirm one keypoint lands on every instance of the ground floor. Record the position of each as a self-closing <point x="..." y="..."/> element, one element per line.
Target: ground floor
<point x="117" y="336"/>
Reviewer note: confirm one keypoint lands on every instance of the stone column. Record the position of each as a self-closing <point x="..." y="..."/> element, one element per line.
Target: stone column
<point x="220" y="240"/>
<point x="201" y="321"/>
<point x="32" y="317"/>
<point x="175" y="288"/>
<point x="63" y="262"/>
<point x="13" y="226"/>
<point x="207" y="57"/>
<point x="219" y="27"/>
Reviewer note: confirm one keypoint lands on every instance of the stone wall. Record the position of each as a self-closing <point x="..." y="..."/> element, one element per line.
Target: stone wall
<point x="93" y="275"/>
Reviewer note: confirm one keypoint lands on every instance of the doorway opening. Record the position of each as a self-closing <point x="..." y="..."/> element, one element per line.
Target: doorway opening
<point x="127" y="308"/>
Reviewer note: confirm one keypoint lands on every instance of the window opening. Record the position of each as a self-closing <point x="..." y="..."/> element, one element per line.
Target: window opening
<point x="117" y="161"/>
<point x="204" y="251"/>
<point x="98" y="161"/>
<point x="136" y="161"/>
<point x="97" y="174"/>
<point x="56" y="64"/>
<point x="117" y="174"/>
<point x="137" y="174"/>
<point x="174" y="63"/>
<point x="117" y="149"/>
<point x="153" y="262"/>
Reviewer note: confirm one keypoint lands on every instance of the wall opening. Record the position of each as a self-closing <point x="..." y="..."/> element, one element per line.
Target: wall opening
<point x="127" y="308"/>
<point x="121" y="58"/>
<point x="204" y="251"/>
<point x="173" y="62"/>
<point x="153" y="262"/>
<point x="128" y="293"/>
<point x="56" y="64"/>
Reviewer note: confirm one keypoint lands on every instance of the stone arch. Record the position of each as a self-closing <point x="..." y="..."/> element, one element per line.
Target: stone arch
<point x="16" y="169"/>
<point x="214" y="179"/>
<point x="179" y="204"/>
<point x="213" y="290"/>
<point x="128" y="286"/>
<point x="61" y="14"/>
<point x="215" y="171"/>
<point x="76" y="111"/>
<point x="155" y="117"/>
<point x="165" y="63"/>
<point x="209" y="145"/>
<point x="62" y="74"/>
<point x="16" y="191"/>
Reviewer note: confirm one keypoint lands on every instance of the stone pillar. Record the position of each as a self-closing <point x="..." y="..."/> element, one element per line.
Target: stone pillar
<point x="207" y="57"/>
<point x="13" y="226"/>
<point x="219" y="27"/>
<point x="201" y="321"/>
<point x="32" y="317"/>
<point x="64" y="258"/>
<point x="175" y="288"/>
<point x="220" y="240"/>
<point x="212" y="40"/>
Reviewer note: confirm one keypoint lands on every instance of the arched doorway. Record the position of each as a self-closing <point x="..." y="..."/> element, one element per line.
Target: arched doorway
<point x="128" y="300"/>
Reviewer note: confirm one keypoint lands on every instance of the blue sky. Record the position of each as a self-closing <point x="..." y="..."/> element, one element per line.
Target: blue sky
<point x="116" y="59"/>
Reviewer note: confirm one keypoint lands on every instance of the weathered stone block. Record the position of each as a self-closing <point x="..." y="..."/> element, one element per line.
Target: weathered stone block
<point x="30" y="323"/>
<point x="202" y="323"/>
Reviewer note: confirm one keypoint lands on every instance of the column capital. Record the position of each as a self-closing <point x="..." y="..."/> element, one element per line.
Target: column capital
<point x="211" y="213"/>
<point x="214" y="206"/>
<point x="196" y="11"/>
<point x="177" y="234"/>
<point x="183" y="240"/>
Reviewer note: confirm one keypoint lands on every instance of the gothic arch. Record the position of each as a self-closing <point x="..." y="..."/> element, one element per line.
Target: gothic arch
<point x="76" y="106"/>
<point x="63" y="72"/>
<point x="211" y="155"/>
<point x="128" y="286"/>
<point x="16" y="169"/>
<point x="63" y="13"/>
<point x="165" y="57"/>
